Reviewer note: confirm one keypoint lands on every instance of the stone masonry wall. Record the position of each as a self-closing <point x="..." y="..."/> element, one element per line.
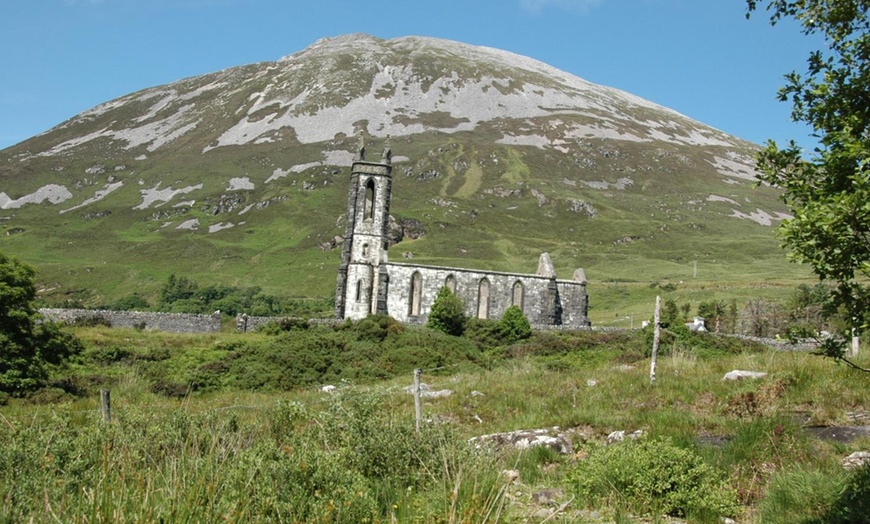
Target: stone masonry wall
<point x="170" y="322"/>
<point x="539" y="294"/>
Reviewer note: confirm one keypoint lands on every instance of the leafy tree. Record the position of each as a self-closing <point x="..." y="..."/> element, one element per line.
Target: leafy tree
<point x="27" y="346"/>
<point x="176" y="289"/>
<point x="448" y="313"/>
<point x="131" y="302"/>
<point x="670" y="315"/>
<point x="514" y="326"/>
<point x="713" y="313"/>
<point x="829" y="192"/>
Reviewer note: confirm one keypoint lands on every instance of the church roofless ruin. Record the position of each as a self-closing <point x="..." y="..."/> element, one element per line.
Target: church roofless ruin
<point x="368" y="283"/>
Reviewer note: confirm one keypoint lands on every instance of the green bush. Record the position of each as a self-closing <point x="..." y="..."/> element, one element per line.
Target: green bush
<point x="653" y="477"/>
<point x="448" y="313"/>
<point x="284" y="324"/>
<point x="514" y="326"/>
<point x="106" y="355"/>
<point x="483" y="332"/>
<point x="853" y="504"/>
<point x="375" y="328"/>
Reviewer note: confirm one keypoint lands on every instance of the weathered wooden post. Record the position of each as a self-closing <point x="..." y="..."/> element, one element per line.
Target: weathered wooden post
<point x="106" y="406"/>
<point x="656" y="336"/>
<point x="418" y="409"/>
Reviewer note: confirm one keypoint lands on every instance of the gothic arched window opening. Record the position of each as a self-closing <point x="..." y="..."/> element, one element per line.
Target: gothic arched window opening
<point x="483" y="299"/>
<point x="450" y="283"/>
<point x="370" y="200"/>
<point x="518" y="295"/>
<point x="416" y="295"/>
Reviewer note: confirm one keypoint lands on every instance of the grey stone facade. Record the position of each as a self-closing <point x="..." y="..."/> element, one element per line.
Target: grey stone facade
<point x="368" y="283"/>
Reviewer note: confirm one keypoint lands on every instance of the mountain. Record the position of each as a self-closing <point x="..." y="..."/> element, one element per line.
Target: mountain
<point x="240" y="176"/>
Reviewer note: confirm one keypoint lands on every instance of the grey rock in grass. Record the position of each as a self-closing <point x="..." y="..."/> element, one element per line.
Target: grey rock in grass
<point x="619" y="436"/>
<point x="526" y="439"/>
<point x="856" y="460"/>
<point x="739" y="374"/>
<point x="548" y="497"/>
<point x="427" y="392"/>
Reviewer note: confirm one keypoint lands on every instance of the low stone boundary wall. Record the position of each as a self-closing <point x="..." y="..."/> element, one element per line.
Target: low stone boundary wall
<point x="170" y="322"/>
<point x="245" y="323"/>
<point x="780" y="344"/>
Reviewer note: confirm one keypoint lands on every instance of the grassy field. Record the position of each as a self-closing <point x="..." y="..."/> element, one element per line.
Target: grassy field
<point x="292" y="453"/>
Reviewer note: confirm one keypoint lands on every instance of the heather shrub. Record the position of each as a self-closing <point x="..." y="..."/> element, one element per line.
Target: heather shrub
<point x="514" y="326"/>
<point x="448" y="313"/>
<point x="653" y="477"/>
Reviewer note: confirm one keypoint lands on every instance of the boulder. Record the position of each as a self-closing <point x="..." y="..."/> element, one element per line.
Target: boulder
<point x="525" y="439"/>
<point x="856" y="460"/>
<point x="739" y="374"/>
<point x="619" y="436"/>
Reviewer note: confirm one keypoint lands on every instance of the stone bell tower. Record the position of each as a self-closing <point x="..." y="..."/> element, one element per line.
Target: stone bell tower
<point x="361" y="286"/>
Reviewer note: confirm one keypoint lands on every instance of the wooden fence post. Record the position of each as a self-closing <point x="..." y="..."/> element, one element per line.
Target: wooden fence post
<point x="106" y="406"/>
<point x="656" y="336"/>
<point x="418" y="409"/>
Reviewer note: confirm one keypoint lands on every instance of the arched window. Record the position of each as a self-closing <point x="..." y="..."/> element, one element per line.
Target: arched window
<point x="450" y="283"/>
<point x="483" y="299"/>
<point x="365" y="250"/>
<point x="416" y="295"/>
<point x="370" y="200"/>
<point x="359" y="285"/>
<point x="518" y="294"/>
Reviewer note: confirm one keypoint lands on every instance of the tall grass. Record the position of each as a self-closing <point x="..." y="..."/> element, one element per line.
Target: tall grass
<point x="303" y="455"/>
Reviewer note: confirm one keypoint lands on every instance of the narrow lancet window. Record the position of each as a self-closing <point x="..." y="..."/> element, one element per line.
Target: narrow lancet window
<point x="483" y="299"/>
<point x="518" y="292"/>
<point x="450" y="283"/>
<point x="416" y="295"/>
<point x="370" y="200"/>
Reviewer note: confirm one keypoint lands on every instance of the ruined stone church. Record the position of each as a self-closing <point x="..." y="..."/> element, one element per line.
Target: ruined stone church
<point x="368" y="283"/>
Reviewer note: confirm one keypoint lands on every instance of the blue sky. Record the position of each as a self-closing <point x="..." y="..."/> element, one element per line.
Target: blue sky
<point x="699" y="57"/>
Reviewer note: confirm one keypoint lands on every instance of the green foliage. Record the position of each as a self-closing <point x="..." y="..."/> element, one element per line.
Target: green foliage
<point x="284" y="324"/>
<point x="131" y="302"/>
<point x="373" y="348"/>
<point x="829" y="193"/>
<point x="17" y="293"/>
<point x="514" y="326"/>
<point x="177" y="288"/>
<point x="716" y="316"/>
<point x="28" y="346"/>
<point x="653" y="477"/>
<point x="350" y="461"/>
<point x="810" y="311"/>
<point x="376" y="328"/>
<point x="448" y="313"/>
<point x="184" y="295"/>
<point x="484" y="332"/>
<point x="670" y="314"/>
<point x="802" y="496"/>
<point x="762" y="445"/>
<point x="853" y="504"/>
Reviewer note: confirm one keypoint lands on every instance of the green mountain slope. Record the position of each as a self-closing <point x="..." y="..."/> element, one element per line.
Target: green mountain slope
<point x="239" y="177"/>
